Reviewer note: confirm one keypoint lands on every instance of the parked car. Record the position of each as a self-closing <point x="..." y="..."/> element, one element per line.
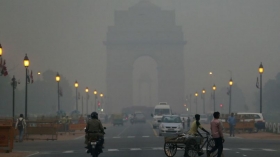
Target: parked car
<point x="170" y="125"/>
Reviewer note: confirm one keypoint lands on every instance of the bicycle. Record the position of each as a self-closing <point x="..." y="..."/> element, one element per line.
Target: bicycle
<point x="185" y="141"/>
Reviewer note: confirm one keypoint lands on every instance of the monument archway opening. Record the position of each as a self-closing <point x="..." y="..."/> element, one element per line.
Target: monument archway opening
<point x="145" y="82"/>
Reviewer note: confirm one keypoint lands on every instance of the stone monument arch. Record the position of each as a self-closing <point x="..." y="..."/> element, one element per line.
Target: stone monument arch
<point x="145" y="30"/>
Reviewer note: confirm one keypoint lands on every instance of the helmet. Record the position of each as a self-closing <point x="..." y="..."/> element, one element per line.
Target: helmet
<point x="94" y="115"/>
<point x="197" y="116"/>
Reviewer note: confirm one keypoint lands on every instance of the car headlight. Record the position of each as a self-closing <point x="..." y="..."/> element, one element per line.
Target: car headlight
<point x="180" y="127"/>
<point x="162" y="126"/>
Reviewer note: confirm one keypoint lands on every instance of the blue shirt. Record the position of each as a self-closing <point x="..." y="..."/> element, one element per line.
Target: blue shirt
<point x="231" y="120"/>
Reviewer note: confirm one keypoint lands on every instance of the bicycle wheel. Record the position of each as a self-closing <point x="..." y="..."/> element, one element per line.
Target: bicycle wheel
<point x="170" y="149"/>
<point x="210" y="145"/>
<point x="191" y="148"/>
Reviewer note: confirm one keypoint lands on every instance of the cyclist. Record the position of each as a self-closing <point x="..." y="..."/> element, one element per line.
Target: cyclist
<point x="194" y="132"/>
<point x="95" y="130"/>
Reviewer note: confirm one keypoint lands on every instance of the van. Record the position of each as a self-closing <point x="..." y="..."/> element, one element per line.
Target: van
<point x="162" y="109"/>
<point x="251" y="116"/>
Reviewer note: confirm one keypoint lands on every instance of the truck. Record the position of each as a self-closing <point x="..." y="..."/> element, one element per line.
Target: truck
<point x="161" y="109"/>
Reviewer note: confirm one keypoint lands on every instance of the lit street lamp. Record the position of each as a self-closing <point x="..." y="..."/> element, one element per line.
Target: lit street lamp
<point x="261" y="70"/>
<point x="57" y="78"/>
<point x="196" y="94"/>
<point x="1" y="50"/>
<point x="230" y="85"/>
<point x="214" y="97"/>
<point x="76" y="86"/>
<point x="26" y="64"/>
<point x="203" y="97"/>
<point x="87" y="90"/>
<point x="95" y="96"/>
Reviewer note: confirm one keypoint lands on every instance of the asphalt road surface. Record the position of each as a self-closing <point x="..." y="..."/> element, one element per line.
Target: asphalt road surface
<point x="140" y="140"/>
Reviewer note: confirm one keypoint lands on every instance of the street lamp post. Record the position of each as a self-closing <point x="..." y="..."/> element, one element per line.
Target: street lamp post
<point x="214" y="96"/>
<point x="57" y="78"/>
<point x="1" y="50"/>
<point x="26" y="64"/>
<point x="230" y="85"/>
<point x="203" y="97"/>
<point x="196" y="94"/>
<point x="76" y="86"/>
<point x="87" y="98"/>
<point x="14" y="85"/>
<point x="101" y="100"/>
<point x="95" y="96"/>
<point x="261" y="70"/>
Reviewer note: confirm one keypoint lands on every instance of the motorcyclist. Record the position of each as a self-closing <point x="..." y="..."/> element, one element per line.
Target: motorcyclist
<point x="94" y="130"/>
<point x="194" y="132"/>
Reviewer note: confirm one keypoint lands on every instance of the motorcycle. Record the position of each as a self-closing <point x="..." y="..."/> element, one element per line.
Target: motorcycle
<point x="96" y="146"/>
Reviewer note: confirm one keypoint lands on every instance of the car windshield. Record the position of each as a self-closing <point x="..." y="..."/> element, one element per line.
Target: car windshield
<point x="162" y="111"/>
<point x="171" y="119"/>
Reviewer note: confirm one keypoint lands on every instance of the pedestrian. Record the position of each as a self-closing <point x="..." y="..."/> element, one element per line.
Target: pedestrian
<point x="217" y="134"/>
<point x="188" y="122"/>
<point x="232" y="123"/>
<point x="20" y="125"/>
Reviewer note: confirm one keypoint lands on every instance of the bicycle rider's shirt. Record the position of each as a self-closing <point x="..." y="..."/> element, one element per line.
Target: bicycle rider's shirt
<point x="194" y="128"/>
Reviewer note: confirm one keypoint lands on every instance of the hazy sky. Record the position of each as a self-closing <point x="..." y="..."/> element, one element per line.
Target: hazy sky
<point x="67" y="36"/>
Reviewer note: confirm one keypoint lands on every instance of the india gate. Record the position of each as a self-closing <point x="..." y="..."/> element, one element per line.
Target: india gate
<point x="145" y="30"/>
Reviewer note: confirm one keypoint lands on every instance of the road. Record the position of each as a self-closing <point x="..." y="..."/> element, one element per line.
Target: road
<point x="140" y="140"/>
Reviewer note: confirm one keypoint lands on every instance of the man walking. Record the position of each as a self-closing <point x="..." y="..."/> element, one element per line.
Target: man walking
<point x="20" y="125"/>
<point x="217" y="134"/>
<point x="232" y="123"/>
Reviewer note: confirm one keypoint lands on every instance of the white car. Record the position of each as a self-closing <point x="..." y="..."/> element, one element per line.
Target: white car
<point x="170" y="125"/>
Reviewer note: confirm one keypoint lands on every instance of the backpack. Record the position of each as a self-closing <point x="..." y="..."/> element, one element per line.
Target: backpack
<point x="20" y="124"/>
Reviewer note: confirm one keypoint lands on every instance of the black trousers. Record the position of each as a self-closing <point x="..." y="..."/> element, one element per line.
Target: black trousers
<point x="218" y="145"/>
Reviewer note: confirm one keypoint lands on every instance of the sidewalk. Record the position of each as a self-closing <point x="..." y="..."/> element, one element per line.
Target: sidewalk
<point x="16" y="154"/>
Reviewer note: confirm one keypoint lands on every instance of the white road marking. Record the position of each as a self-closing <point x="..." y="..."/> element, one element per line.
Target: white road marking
<point x="133" y="149"/>
<point x="79" y="137"/>
<point x="226" y="149"/>
<point x="69" y="151"/>
<point x="269" y="150"/>
<point x="244" y="155"/>
<point x="244" y="148"/>
<point x="33" y="154"/>
<point x="158" y="148"/>
<point x="113" y="150"/>
<point x="117" y="137"/>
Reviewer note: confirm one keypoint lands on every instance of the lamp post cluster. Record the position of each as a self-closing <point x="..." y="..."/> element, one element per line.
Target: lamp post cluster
<point x="95" y="93"/>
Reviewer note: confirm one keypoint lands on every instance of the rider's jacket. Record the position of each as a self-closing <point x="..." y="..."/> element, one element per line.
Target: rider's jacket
<point x="94" y="126"/>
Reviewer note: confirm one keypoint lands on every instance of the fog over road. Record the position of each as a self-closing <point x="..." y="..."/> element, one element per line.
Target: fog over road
<point x="140" y="140"/>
